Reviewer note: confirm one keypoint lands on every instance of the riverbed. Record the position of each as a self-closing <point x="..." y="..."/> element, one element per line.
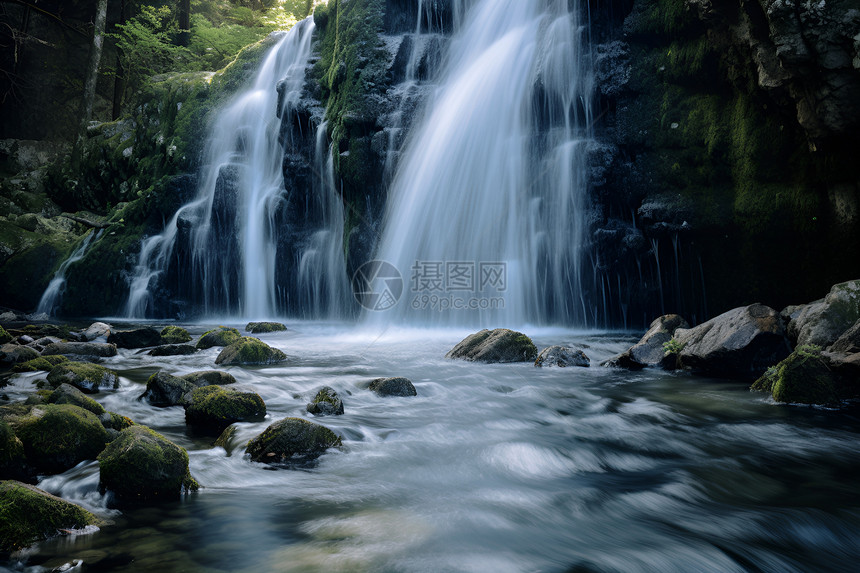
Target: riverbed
<point x="498" y="468"/>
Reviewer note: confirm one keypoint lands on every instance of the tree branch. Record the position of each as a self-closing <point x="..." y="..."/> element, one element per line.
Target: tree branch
<point x="48" y="14"/>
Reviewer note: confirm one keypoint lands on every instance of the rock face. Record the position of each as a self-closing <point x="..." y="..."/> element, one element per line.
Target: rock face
<point x="499" y="345"/>
<point x="849" y="341"/>
<point x="649" y="351"/>
<point x="326" y="403"/>
<point x="136" y="338"/>
<point x="56" y="437"/>
<point x="562" y="356"/>
<point x="291" y="439"/>
<point x="84" y="376"/>
<point x="740" y="343"/>
<point x="214" y="408"/>
<point x="81" y="349"/>
<point x="174" y="335"/>
<point x="804" y="377"/>
<point x="163" y="389"/>
<point x="218" y="337"/>
<point x="173" y="350"/>
<point x="143" y="464"/>
<point x="392" y="387"/>
<point x="824" y="321"/>
<point x="29" y="514"/>
<point x="261" y="327"/>
<point x="249" y="351"/>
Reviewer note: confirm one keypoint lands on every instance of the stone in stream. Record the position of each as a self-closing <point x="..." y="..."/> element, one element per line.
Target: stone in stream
<point x="649" y="351"/>
<point x="326" y="403"/>
<point x="263" y="327"/>
<point x="43" y="363"/>
<point x="29" y="514"/>
<point x="84" y="376"/>
<point x="209" y="377"/>
<point x="13" y="353"/>
<point x="291" y="439"/>
<point x="397" y="386"/>
<point x="562" y="356"/>
<point x="143" y="464"/>
<point x="221" y="336"/>
<point x="135" y="338"/>
<point x="164" y="389"/>
<point x="250" y="351"/>
<point x="68" y="394"/>
<point x="174" y="335"/>
<point x="96" y="330"/>
<point x="499" y="345"/>
<point x="5" y="336"/>
<point x="99" y="349"/>
<point x="805" y="377"/>
<point x="822" y="322"/>
<point x="173" y="350"/>
<point x="213" y="408"/>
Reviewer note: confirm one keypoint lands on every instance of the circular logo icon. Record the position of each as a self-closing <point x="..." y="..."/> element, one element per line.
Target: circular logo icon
<point x="377" y="285"/>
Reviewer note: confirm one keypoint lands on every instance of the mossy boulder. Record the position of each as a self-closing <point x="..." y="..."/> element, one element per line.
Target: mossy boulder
<point x="209" y="378"/>
<point x="135" y="338"/>
<point x="822" y="322"/>
<point x="262" y="327"/>
<point x="562" y="356"/>
<point x="173" y="350"/>
<point x="326" y="403"/>
<point x="143" y="464"/>
<point x="803" y="378"/>
<point x="174" y="335"/>
<point x="499" y="345"/>
<point x="227" y="439"/>
<point x="114" y="421"/>
<point x="392" y="387"/>
<point x="163" y="389"/>
<point x="84" y="376"/>
<point x="15" y="353"/>
<point x="13" y="462"/>
<point x="99" y="349"/>
<point x="213" y="408"/>
<point x="4" y="336"/>
<point x="650" y="350"/>
<point x="221" y="336"/>
<point x="43" y="363"/>
<point x="68" y="394"/>
<point x="56" y="437"/>
<point x="291" y="439"/>
<point x="249" y="351"/>
<point x="29" y="514"/>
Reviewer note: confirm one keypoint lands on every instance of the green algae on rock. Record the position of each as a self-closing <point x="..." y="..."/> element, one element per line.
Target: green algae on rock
<point x="84" y="376"/>
<point x="250" y="351"/>
<point x="174" y="335"/>
<point x="222" y="336"/>
<point x="291" y="439"/>
<point x="56" y="437"/>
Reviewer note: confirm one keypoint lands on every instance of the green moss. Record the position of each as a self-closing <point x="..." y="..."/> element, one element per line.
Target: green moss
<point x="221" y="336"/>
<point x="58" y="436"/>
<point x="4" y="336"/>
<point x="174" y="335"/>
<point x="45" y="363"/>
<point x="84" y="376"/>
<point x="804" y="377"/>
<point x="250" y="351"/>
<point x="114" y="421"/>
<point x="262" y="327"/>
<point x="28" y="514"/>
<point x="215" y="407"/>
<point x="291" y="438"/>
<point x="67" y="394"/>
<point x="12" y="458"/>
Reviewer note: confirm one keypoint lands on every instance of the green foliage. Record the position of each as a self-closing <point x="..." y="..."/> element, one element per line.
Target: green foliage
<point x="672" y="346"/>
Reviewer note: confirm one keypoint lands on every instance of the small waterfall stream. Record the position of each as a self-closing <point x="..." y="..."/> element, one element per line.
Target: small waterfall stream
<point x="53" y="293"/>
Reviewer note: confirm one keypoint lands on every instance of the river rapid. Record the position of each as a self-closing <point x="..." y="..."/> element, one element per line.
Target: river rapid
<point x="497" y="468"/>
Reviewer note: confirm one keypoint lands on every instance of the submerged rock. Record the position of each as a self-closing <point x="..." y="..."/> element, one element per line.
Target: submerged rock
<point x="823" y="322"/>
<point x="803" y="378"/>
<point x="143" y="464"/>
<point x="136" y="338"/>
<point x="650" y="350"/>
<point x="214" y="408"/>
<point x="741" y="343"/>
<point x="250" y="351"/>
<point x="29" y="514"/>
<point x="84" y="376"/>
<point x="222" y="336"/>
<point x="291" y="439"/>
<point x="99" y="349"/>
<point x="326" y="403"/>
<point x="392" y="387"/>
<point x="163" y="389"/>
<point x="499" y="345"/>
<point x="209" y="378"/>
<point x="173" y="350"/>
<point x="43" y="363"/>
<point x="262" y="327"/>
<point x="562" y="356"/>
<point x="174" y="335"/>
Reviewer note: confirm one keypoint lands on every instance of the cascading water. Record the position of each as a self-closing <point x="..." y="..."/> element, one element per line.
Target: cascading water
<point x="231" y="250"/>
<point x="53" y="293"/>
<point x="487" y="208"/>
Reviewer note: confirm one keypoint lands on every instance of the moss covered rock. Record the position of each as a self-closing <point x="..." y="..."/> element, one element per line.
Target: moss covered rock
<point x="13" y="462"/>
<point x="80" y="348"/>
<point x="114" y="421"/>
<point x="174" y="335"/>
<point x="4" y="336"/>
<point x="499" y="345"/>
<point x="222" y="336"/>
<point x="143" y="464"/>
<point x="56" y="437"/>
<point x="248" y="350"/>
<point x="135" y="338"/>
<point x="29" y="514"/>
<point x="173" y="350"/>
<point x="213" y="408"/>
<point x="803" y="378"/>
<point x="163" y="389"/>
<point x="84" y="376"/>
<point x="392" y="387"/>
<point x="14" y="353"/>
<point x="209" y="378"/>
<point x="326" y="403"/>
<point x="562" y="356"/>
<point x="291" y="439"/>
<point x="68" y="394"/>
<point x="262" y="327"/>
<point x="43" y="363"/>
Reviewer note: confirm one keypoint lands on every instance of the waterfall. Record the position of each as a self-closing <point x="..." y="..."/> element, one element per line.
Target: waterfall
<point x="54" y="292"/>
<point x="486" y="217"/>
<point x="248" y="232"/>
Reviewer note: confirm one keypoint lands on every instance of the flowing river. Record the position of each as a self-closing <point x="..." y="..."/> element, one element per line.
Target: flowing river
<point x="497" y="468"/>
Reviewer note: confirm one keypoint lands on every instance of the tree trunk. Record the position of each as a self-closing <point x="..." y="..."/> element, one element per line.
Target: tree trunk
<point x="91" y="80"/>
<point x="184" y="22"/>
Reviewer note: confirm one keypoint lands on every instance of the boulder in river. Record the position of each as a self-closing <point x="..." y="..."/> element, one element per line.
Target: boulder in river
<point x="499" y="345"/>
<point x="173" y="350"/>
<point x="221" y="336"/>
<point x="84" y="376"/>
<point x="29" y="514"/>
<point x="68" y="394"/>
<point x="174" y="335"/>
<point x="14" y="353"/>
<point x="5" y="336"/>
<point x="213" y="408"/>
<point x="249" y="351"/>
<point x="135" y="338"/>
<point x="741" y="343"/>
<point x="95" y="331"/>
<point x="650" y="350"/>
<point x="143" y="464"/>
<point x="263" y="327"/>
<point x="804" y="377"/>
<point x="326" y="403"/>
<point x="164" y="389"/>
<point x="392" y="387"/>
<point x="43" y="363"/>
<point x="291" y="439"/>
<point x="822" y="322"/>
<point x="99" y="349"/>
<point x="562" y="356"/>
<point x="13" y="462"/>
<point x="209" y="378"/>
